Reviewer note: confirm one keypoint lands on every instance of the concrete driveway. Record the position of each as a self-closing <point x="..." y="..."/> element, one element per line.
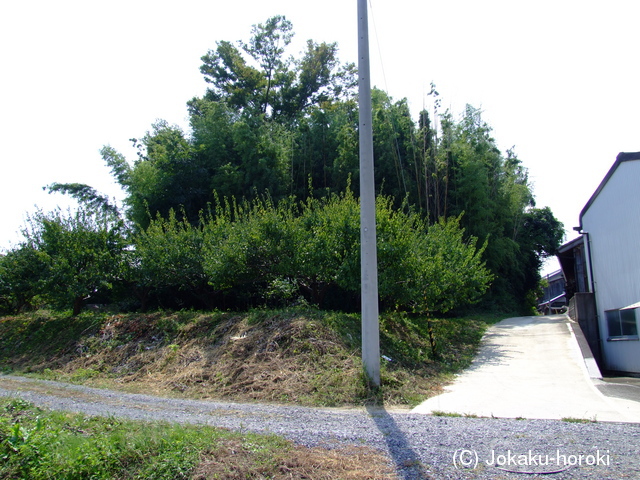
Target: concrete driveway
<point x="533" y="367"/>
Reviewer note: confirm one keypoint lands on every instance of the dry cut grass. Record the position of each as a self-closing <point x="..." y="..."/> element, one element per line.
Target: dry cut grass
<point x="301" y="357"/>
<point x="285" y="359"/>
<point x="234" y="461"/>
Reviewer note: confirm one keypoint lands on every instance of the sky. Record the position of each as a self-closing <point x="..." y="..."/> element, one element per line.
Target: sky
<point x="557" y="80"/>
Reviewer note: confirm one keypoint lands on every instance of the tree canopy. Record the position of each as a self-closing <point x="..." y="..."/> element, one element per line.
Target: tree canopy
<point x="268" y="83"/>
<point x="70" y="257"/>
<point x="284" y="127"/>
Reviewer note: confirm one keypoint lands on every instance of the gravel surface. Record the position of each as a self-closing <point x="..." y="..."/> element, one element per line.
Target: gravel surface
<point x="419" y="446"/>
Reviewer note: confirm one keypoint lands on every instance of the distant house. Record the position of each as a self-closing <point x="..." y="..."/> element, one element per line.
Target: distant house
<point x="602" y="267"/>
<point x="553" y="296"/>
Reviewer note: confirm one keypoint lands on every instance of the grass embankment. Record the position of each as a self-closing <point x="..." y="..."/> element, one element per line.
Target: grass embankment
<point x="304" y="357"/>
<point x="36" y="444"/>
<point x="294" y="356"/>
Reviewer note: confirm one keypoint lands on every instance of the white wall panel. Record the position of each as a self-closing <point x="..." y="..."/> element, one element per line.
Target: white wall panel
<point x="613" y="224"/>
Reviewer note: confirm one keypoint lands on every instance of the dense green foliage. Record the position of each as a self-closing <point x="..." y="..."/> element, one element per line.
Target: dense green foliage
<point x="260" y="252"/>
<point x="21" y="279"/>
<point x="245" y="254"/>
<point x="276" y="138"/>
<point x="64" y="259"/>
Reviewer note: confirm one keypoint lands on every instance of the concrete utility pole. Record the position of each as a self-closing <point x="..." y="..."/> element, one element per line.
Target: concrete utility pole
<point x="368" y="252"/>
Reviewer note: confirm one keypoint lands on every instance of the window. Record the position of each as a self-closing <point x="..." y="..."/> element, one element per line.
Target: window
<point x="622" y="323"/>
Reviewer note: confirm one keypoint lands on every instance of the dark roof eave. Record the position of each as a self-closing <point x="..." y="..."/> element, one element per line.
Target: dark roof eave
<point x="570" y="245"/>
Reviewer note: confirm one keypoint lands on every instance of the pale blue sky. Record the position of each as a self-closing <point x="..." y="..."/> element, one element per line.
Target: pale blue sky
<point x="557" y="79"/>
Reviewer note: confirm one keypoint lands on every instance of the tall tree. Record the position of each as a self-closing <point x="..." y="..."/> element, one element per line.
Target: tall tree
<point x="248" y="130"/>
<point x="81" y="253"/>
<point x="278" y="87"/>
<point x="393" y="134"/>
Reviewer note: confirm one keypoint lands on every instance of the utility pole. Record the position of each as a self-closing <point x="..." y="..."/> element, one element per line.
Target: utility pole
<point x="368" y="251"/>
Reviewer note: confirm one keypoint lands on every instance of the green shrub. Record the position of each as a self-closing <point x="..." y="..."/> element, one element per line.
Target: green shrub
<point x="254" y="253"/>
<point x="79" y="254"/>
<point x="264" y="251"/>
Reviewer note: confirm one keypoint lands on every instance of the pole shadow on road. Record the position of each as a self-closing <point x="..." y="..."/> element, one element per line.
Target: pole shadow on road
<point x="406" y="460"/>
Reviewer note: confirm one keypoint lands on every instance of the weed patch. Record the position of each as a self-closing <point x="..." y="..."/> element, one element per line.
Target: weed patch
<point x="39" y="444"/>
<point x="579" y="420"/>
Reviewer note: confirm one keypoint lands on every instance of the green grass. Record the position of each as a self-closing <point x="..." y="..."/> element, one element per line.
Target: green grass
<point x="579" y="420"/>
<point x="32" y="333"/>
<point x="38" y="444"/>
<point x="440" y="413"/>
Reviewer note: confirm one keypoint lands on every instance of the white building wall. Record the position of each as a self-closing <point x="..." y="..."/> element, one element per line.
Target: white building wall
<point x="613" y="224"/>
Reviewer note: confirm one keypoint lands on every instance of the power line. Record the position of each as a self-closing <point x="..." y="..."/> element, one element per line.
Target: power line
<point x="396" y="144"/>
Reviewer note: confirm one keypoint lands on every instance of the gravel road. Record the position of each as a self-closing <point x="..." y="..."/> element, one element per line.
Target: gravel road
<point x="419" y="446"/>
